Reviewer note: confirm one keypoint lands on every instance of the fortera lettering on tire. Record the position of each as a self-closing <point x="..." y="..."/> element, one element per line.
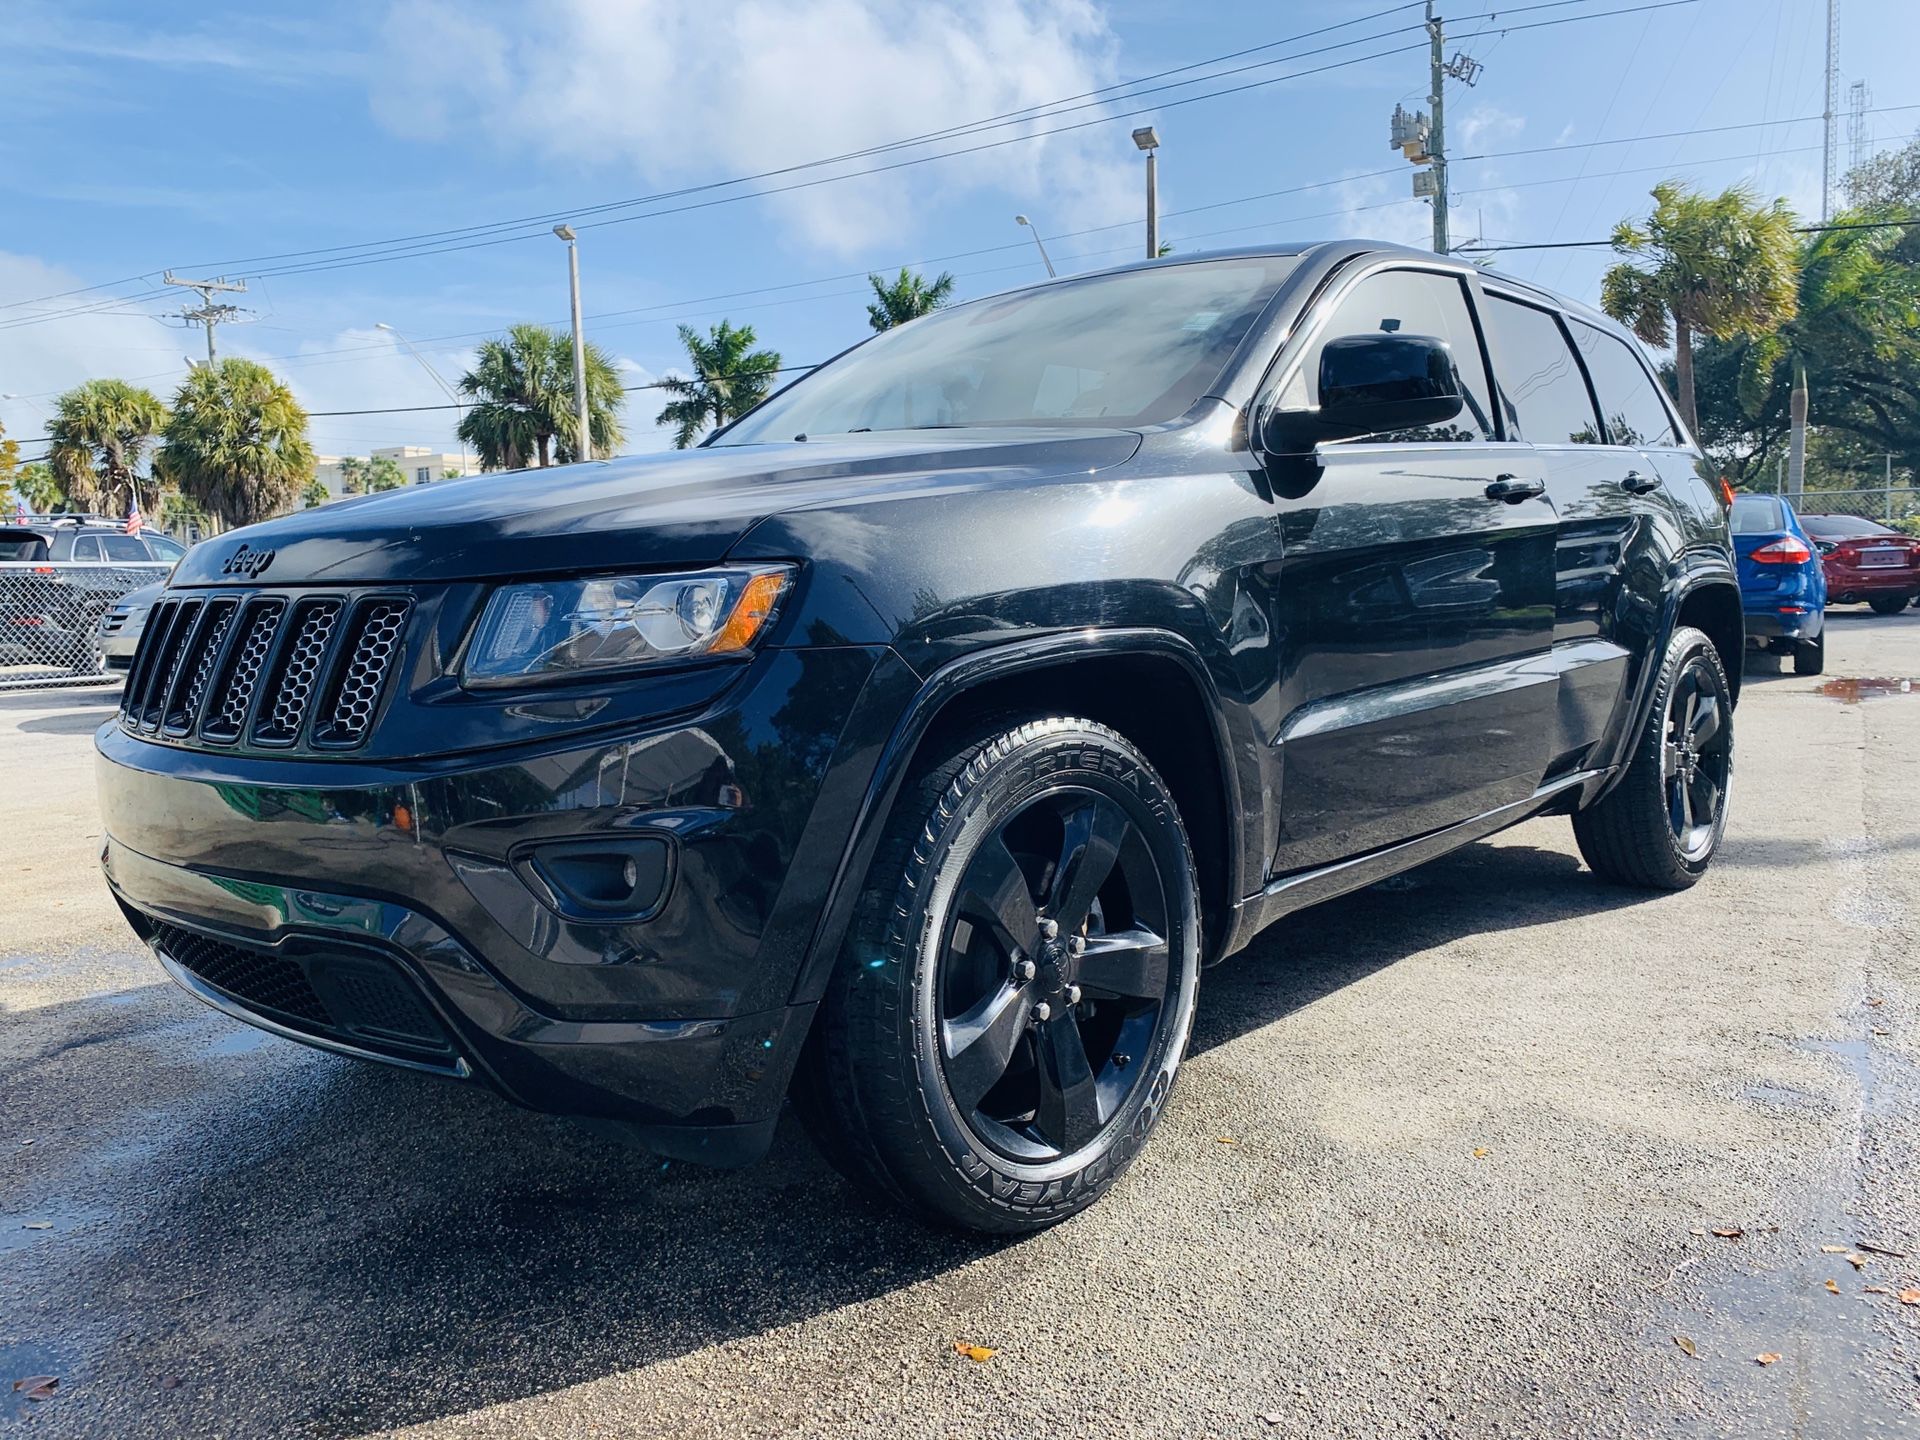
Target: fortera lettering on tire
<point x="906" y="751"/>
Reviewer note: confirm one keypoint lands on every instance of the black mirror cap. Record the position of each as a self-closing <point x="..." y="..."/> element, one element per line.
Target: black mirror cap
<point x="1377" y="383"/>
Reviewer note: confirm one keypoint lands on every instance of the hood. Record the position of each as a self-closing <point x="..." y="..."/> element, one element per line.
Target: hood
<point x="685" y="507"/>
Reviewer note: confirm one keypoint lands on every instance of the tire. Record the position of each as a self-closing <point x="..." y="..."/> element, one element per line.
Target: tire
<point x="1642" y="833"/>
<point x="950" y="977"/>
<point x="1887" y="604"/>
<point x="1810" y="656"/>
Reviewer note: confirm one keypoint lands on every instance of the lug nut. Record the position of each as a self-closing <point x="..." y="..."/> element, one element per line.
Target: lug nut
<point x="1073" y="994"/>
<point x="1043" y="1011"/>
<point x="1025" y="969"/>
<point x="1076" y="943"/>
<point x="1049" y="929"/>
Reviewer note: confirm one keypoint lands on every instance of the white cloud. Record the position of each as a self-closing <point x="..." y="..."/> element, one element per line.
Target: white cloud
<point x="674" y="92"/>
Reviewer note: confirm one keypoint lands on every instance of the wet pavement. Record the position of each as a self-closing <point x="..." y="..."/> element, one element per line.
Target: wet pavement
<point x="1483" y="1125"/>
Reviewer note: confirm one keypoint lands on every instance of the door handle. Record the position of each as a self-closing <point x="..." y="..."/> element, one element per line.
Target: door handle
<point x="1512" y="489"/>
<point x="1637" y="484"/>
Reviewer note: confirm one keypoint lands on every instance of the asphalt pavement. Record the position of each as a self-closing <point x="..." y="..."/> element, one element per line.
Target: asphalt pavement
<point x="1452" y="1156"/>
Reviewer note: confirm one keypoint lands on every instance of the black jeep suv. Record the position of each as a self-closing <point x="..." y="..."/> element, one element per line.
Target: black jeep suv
<point x="910" y="746"/>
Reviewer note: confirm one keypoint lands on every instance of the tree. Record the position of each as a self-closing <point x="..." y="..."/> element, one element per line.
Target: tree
<point x="729" y="378"/>
<point x="100" y="434"/>
<point x="525" y="412"/>
<point x="1889" y="178"/>
<point x="1721" y="265"/>
<point x="906" y="297"/>
<point x="9" y="472"/>
<point x="314" y="493"/>
<point x="368" y="477"/>
<point x="236" y="442"/>
<point x="40" y="489"/>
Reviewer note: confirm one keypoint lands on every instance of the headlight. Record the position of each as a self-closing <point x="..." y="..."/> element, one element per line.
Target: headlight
<point x="557" y="628"/>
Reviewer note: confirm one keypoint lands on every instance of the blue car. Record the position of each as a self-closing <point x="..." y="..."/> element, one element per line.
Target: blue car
<point x="1782" y="586"/>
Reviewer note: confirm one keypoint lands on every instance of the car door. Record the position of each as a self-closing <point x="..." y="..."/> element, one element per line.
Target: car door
<point x="1415" y="601"/>
<point x="1608" y="571"/>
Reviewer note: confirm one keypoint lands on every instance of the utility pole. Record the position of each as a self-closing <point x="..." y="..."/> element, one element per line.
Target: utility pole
<point x="1423" y="138"/>
<point x="1830" y="152"/>
<point x="206" y="312"/>
<point x="1437" y="143"/>
<point x="585" y="450"/>
<point x="1148" y="139"/>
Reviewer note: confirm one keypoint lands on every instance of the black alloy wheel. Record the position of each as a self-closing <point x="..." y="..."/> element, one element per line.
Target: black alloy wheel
<point x="1696" y="757"/>
<point x="1015" y="993"/>
<point x="1054" y="974"/>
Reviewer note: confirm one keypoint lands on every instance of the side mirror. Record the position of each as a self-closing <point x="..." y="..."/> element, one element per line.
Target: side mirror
<point x="1370" y="384"/>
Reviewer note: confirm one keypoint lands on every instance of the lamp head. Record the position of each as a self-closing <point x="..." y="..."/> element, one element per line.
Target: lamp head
<point x="1021" y="220"/>
<point x="1147" y="138"/>
<point x="565" y="232"/>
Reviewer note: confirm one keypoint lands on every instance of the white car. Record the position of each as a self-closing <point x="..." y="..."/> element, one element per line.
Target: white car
<point x="122" y="623"/>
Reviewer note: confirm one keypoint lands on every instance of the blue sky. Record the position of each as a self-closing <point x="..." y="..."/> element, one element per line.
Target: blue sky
<point x="132" y="141"/>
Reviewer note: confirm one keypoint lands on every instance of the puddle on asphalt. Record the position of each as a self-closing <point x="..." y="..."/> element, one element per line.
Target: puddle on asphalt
<point x="1852" y="689"/>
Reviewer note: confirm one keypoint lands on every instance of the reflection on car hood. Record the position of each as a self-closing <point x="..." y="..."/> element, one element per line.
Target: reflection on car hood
<point x="681" y="508"/>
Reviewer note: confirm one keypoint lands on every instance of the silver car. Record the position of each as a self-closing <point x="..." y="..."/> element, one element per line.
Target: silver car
<point x="121" y="624"/>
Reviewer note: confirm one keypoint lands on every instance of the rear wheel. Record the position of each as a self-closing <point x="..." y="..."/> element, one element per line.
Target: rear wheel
<point x="1810" y="656"/>
<point x="1887" y="604"/>
<point x="1015" y="996"/>
<point x="1660" y="826"/>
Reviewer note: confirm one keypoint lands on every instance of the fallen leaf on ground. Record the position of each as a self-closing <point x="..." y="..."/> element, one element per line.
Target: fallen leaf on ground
<point x="38" y="1225"/>
<point x="1878" y="1000"/>
<point x="1875" y="1290"/>
<point x="1685" y="1342"/>
<point x="1225" y="1140"/>
<point x="979" y="1354"/>
<point x="1270" y="1417"/>
<point x="1859" y="1262"/>
<point x="1728" y="1232"/>
<point x="1481" y="1152"/>
<point x="1833" y="1288"/>
<point x="1766" y="1358"/>
<point x="37" y="1387"/>
<point x="1910" y="1297"/>
<point x="1833" y="1249"/>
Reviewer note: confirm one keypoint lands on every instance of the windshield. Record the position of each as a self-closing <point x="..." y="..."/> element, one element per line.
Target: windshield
<point x="1134" y="348"/>
<point x="1843" y="527"/>
<point x="1756" y="515"/>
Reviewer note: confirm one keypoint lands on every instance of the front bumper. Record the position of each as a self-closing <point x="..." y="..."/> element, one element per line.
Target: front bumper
<point x="387" y="912"/>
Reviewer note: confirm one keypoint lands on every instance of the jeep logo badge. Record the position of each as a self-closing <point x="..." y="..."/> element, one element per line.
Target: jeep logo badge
<point x="247" y="561"/>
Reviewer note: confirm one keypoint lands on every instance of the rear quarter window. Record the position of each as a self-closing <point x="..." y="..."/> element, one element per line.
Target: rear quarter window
<point x="1629" y="403"/>
<point x="1756" y="515"/>
<point x="21" y="545"/>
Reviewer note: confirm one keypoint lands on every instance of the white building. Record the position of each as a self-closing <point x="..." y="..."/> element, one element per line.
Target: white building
<point x="420" y="465"/>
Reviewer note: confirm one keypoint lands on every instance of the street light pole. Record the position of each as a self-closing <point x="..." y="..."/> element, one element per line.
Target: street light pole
<point x="1023" y="220"/>
<point x="439" y="380"/>
<point x="1148" y="139"/>
<point x="585" y="450"/>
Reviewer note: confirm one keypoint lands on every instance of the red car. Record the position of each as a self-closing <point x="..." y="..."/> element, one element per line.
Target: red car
<point x="1866" y="561"/>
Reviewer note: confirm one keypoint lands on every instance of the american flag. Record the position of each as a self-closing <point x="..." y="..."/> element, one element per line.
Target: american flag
<point x="134" y="521"/>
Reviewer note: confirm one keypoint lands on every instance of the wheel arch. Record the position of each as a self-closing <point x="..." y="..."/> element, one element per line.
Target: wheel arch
<point x="1150" y="685"/>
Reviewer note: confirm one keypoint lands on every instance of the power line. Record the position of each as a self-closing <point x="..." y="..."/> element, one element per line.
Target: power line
<point x="413" y="247"/>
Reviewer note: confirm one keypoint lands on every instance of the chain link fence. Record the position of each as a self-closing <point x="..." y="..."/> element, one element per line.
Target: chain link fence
<point x="1896" y="505"/>
<point x="65" y="622"/>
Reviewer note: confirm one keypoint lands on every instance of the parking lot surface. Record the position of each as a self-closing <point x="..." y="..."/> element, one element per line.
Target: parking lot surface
<point x="1491" y="1149"/>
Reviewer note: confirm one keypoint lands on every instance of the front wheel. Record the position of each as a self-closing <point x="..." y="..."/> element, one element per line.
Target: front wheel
<point x="1887" y="604"/>
<point x="1659" y="827"/>
<point x="1015" y="995"/>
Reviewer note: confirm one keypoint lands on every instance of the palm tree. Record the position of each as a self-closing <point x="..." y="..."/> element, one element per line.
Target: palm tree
<point x="1722" y="265"/>
<point x="100" y="432"/>
<point x="314" y="493"/>
<point x="906" y="297"/>
<point x="729" y="379"/>
<point x="236" y="443"/>
<point x="524" y="412"/>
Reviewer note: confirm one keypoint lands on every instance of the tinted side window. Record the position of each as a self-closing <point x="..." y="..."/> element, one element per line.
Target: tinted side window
<point x="1410" y="302"/>
<point x="1632" y="407"/>
<point x="86" y="547"/>
<point x="125" y="547"/>
<point x="165" y="549"/>
<point x="1540" y="381"/>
